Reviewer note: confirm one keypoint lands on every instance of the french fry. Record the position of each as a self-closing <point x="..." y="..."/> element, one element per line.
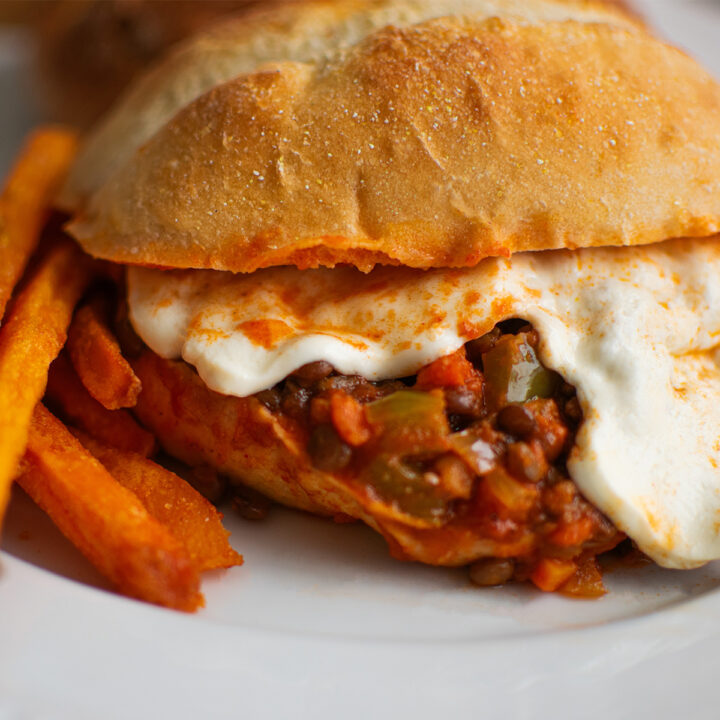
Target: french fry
<point x="168" y="498"/>
<point x="105" y="520"/>
<point x="116" y="428"/>
<point x="25" y="201"/>
<point x="99" y="362"/>
<point x="30" y="339"/>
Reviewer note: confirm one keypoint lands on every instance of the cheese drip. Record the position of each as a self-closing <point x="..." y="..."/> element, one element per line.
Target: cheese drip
<point x="633" y="329"/>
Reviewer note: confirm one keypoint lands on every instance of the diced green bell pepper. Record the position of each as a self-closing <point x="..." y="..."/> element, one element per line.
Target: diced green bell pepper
<point x="405" y="488"/>
<point x="409" y="422"/>
<point x="513" y="373"/>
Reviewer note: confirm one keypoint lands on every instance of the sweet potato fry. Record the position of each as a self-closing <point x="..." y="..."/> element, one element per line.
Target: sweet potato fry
<point x="30" y="339"/>
<point x="116" y="428"/>
<point x="25" y="201"/>
<point x="99" y="362"/>
<point x="168" y="498"/>
<point x="104" y="520"/>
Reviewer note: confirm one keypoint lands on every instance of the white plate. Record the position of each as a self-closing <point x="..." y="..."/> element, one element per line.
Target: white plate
<point x="321" y="623"/>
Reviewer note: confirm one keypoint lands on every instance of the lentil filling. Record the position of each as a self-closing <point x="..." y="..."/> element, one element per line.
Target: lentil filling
<point x="476" y="441"/>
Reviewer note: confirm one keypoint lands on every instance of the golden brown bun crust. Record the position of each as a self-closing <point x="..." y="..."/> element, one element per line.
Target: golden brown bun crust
<point x="433" y="145"/>
<point x="438" y="145"/>
<point x="274" y="31"/>
<point x="242" y="439"/>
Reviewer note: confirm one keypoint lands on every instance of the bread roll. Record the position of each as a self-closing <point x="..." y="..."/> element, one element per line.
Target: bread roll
<point x="428" y="144"/>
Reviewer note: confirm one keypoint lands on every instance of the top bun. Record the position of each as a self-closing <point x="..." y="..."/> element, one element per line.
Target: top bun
<point x="500" y="127"/>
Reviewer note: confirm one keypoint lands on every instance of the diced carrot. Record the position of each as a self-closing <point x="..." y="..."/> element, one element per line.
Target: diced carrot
<point x="550" y="573"/>
<point x="450" y="371"/>
<point x="572" y="533"/>
<point x="348" y="417"/>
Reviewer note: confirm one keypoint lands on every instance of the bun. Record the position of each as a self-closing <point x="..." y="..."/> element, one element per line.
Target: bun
<point x="304" y="31"/>
<point x="436" y="144"/>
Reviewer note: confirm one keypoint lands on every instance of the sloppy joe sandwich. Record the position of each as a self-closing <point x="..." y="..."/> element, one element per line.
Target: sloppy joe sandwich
<point x="447" y="268"/>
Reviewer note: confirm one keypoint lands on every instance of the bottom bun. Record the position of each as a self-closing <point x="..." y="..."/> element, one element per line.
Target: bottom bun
<point x="238" y="437"/>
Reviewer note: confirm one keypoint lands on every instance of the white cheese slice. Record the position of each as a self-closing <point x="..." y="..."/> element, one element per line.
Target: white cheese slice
<point x="634" y="329"/>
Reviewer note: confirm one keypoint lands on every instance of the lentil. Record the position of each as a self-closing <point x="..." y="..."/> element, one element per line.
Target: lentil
<point x="491" y="571"/>
<point x="327" y="451"/>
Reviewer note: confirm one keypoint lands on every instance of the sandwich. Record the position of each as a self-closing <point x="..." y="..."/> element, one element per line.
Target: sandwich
<point x="445" y="268"/>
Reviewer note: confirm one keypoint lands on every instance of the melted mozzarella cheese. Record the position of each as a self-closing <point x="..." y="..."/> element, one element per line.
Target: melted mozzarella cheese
<point x="634" y="329"/>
